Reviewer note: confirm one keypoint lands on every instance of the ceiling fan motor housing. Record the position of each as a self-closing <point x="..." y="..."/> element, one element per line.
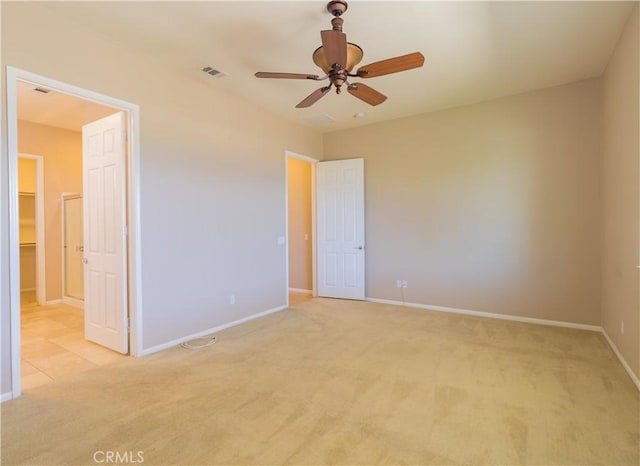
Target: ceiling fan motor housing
<point x="337" y="7"/>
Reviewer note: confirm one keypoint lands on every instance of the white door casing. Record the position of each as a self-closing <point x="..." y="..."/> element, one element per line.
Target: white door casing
<point x="104" y="232"/>
<point x="340" y="229"/>
<point x="134" y="261"/>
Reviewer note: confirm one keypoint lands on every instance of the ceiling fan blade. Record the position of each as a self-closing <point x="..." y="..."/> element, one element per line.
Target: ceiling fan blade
<point x="265" y="74"/>
<point x="391" y="65"/>
<point x="366" y="93"/>
<point x="313" y="97"/>
<point x="335" y="47"/>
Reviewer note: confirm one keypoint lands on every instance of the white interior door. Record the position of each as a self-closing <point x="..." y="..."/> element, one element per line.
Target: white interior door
<point x="104" y="232"/>
<point x="340" y="223"/>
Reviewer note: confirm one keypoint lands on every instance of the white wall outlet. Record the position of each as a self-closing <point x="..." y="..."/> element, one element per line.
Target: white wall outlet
<point x="404" y="284"/>
<point x="280" y="240"/>
<point x="399" y="283"/>
<point x="622" y="327"/>
<point x="232" y="299"/>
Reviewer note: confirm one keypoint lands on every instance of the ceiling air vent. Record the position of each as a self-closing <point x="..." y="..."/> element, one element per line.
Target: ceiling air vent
<point x="320" y="119"/>
<point x="210" y="70"/>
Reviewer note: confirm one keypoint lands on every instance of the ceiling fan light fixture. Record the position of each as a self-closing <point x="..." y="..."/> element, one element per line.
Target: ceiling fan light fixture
<point x="354" y="56"/>
<point x="337" y="58"/>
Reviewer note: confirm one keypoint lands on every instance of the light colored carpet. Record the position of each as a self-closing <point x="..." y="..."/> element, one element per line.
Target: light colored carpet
<point x="343" y="382"/>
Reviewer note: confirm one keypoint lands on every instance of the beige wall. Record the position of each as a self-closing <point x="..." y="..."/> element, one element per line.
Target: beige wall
<point x="491" y="207"/>
<point x="212" y="179"/>
<point x="621" y="234"/>
<point x="61" y="150"/>
<point x="27" y="177"/>
<point x="300" y="262"/>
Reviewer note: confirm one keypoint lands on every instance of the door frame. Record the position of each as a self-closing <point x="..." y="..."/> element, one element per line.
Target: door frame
<point x="131" y="186"/>
<point x="41" y="290"/>
<point x="293" y="155"/>
<point x="75" y="302"/>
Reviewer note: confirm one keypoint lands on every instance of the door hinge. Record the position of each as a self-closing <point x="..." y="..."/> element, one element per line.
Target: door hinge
<point x="128" y="324"/>
<point x="126" y="230"/>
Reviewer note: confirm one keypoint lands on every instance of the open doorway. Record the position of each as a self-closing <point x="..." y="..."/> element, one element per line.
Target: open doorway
<point x="49" y="336"/>
<point x="31" y="228"/>
<point x="300" y="178"/>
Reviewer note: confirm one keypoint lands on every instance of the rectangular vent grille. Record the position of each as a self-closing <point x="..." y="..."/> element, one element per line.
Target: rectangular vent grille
<point x="320" y="120"/>
<point x="210" y="70"/>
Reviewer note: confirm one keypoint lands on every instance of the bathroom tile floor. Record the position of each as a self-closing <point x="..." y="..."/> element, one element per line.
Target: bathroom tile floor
<point x="53" y="344"/>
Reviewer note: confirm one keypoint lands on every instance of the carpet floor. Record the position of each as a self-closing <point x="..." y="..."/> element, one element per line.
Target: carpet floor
<point x="343" y="382"/>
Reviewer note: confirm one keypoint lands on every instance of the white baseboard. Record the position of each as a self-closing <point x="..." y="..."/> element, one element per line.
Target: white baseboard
<point x="177" y="341"/>
<point x="54" y="302"/>
<point x="491" y="315"/>
<point x="633" y="376"/>
<point x="529" y="320"/>
<point x="6" y="397"/>
<point x="300" y="290"/>
<point x="74" y="302"/>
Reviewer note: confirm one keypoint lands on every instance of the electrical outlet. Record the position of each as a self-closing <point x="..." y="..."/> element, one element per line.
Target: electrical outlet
<point x="399" y="283"/>
<point x="232" y="299"/>
<point x="404" y="284"/>
<point x="622" y="327"/>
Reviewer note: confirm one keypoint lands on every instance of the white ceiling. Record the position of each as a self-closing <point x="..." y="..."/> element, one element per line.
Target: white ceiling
<point x="57" y="109"/>
<point x="474" y="51"/>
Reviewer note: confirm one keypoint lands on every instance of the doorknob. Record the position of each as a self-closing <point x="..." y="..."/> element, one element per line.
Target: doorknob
<point x="85" y="261"/>
<point x="358" y="247"/>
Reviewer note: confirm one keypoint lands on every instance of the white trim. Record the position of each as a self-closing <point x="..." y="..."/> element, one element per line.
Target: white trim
<point x="491" y="315"/>
<point x="304" y="158"/>
<point x="41" y="285"/>
<point x="134" y="238"/>
<point x="633" y="376"/>
<point x="6" y="397"/>
<point x="133" y="189"/>
<point x="293" y="155"/>
<point x="14" y="232"/>
<point x="73" y="302"/>
<point x="54" y="302"/>
<point x="314" y="233"/>
<point x="300" y="290"/>
<point x="177" y="341"/>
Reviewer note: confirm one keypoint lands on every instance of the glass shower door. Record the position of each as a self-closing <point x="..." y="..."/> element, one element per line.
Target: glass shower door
<point x="73" y="248"/>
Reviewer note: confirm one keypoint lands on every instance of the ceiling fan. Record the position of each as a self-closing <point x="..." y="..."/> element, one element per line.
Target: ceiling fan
<point x="337" y="58"/>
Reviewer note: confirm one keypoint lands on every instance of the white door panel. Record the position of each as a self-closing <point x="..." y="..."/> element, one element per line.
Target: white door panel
<point x="340" y="187"/>
<point x="104" y="239"/>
